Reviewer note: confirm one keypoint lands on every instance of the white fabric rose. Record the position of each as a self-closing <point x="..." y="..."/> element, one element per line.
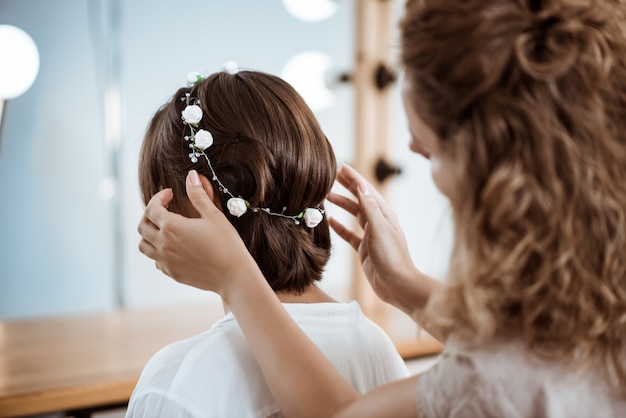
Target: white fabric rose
<point x="312" y="217"/>
<point x="236" y="206"/>
<point x="203" y="139"/>
<point x="192" y="114"/>
<point x="194" y="77"/>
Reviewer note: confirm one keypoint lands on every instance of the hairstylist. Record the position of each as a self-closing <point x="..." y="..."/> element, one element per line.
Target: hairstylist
<point x="520" y="106"/>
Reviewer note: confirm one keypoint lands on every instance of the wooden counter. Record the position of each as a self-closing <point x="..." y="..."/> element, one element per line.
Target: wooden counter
<point x="93" y="361"/>
<point x="61" y="364"/>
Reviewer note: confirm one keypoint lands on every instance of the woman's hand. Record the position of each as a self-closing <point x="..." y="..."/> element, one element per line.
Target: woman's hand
<point x="199" y="252"/>
<point x="383" y="248"/>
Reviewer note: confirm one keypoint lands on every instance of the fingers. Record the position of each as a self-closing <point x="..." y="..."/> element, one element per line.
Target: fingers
<point x="147" y="230"/>
<point x="353" y="181"/>
<point x="349" y="205"/>
<point x="347" y="235"/>
<point x="371" y="210"/>
<point x="156" y="209"/>
<point x="343" y="202"/>
<point x="198" y="196"/>
<point x="163" y="197"/>
<point x="349" y="178"/>
<point x="149" y="233"/>
<point x="147" y="249"/>
<point x="356" y="183"/>
<point x="154" y="217"/>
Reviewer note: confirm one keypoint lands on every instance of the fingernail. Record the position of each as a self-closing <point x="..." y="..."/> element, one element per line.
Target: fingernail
<point x="363" y="187"/>
<point x="193" y="176"/>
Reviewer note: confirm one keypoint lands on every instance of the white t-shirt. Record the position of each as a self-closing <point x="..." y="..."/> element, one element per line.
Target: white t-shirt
<point x="503" y="379"/>
<point x="214" y="374"/>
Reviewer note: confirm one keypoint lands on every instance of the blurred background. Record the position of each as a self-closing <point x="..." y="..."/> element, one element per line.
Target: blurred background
<point x="69" y="144"/>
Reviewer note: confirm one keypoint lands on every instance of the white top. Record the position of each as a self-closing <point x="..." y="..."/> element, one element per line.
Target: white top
<point x="214" y="374"/>
<point x="502" y="379"/>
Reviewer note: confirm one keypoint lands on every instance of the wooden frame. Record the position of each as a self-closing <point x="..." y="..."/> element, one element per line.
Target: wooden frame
<point x="372" y="115"/>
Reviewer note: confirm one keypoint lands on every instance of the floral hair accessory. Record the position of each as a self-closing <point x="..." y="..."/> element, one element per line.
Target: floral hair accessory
<point x="192" y="115"/>
<point x="237" y="206"/>
<point x="204" y="139"/>
<point x="201" y="139"/>
<point x="231" y="67"/>
<point x="195" y="77"/>
<point x="312" y="217"/>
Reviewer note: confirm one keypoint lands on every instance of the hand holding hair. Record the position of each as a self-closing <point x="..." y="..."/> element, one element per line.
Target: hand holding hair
<point x="382" y="248"/>
<point x="184" y="248"/>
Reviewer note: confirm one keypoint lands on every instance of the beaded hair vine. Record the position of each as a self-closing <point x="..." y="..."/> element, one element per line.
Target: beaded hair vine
<point x="201" y="139"/>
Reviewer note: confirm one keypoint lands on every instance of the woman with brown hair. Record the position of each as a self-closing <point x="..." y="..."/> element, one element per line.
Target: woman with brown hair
<point x="521" y="107"/>
<point x="259" y="153"/>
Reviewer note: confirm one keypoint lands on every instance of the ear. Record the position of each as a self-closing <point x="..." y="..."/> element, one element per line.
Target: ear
<point x="210" y="191"/>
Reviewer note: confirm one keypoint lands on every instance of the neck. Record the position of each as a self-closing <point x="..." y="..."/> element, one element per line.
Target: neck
<point x="312" y="294"/>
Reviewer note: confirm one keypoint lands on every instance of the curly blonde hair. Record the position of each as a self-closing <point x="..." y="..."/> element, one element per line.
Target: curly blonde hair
<point x="528" y="99"/>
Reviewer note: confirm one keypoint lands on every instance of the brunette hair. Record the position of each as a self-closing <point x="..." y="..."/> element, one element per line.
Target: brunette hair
<point x="268" y="148"/>
<point x="528" y="99"/>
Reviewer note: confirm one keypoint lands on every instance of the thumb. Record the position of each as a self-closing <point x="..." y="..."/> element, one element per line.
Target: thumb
<point x="163" y="197"/>
<point x="197" y="195"/>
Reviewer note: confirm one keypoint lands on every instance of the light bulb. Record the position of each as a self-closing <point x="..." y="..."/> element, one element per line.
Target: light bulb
<point x="19" y="62"/>
<point x="306" y="72"/>
<point x="311" y="10"/>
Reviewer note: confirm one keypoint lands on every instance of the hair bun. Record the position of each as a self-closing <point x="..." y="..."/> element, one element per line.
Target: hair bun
<point x="560" y="35"/>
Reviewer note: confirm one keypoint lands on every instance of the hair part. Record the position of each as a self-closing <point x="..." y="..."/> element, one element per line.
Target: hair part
<point x="268" y="148"/>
